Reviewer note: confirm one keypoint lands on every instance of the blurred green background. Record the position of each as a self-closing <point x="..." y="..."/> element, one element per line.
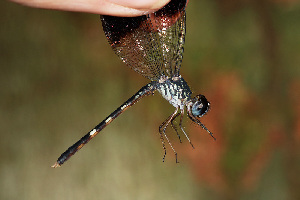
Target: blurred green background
<point x="59" y="78"/>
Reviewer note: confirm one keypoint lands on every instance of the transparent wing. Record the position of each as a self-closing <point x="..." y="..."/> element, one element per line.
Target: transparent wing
<point x="152" y="45"/>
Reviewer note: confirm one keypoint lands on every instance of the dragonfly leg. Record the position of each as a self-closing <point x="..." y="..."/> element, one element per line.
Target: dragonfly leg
<point x="180" y="125"/>
<point x="194" y="119"/>
<point x="174" y="127"/>
<point x="162" y="131"/>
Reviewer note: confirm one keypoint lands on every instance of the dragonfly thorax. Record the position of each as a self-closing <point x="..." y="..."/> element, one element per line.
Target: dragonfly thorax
<point x="175" y="90"/>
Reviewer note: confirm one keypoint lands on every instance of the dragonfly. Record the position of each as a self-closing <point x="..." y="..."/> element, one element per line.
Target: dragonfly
<point x="152" y="45"/>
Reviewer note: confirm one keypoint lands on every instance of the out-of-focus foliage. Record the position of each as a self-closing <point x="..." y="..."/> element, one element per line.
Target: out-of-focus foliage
<point x="59" y="78"/>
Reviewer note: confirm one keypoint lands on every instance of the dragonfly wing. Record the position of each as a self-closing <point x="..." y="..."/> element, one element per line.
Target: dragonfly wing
<point x="152" y="45"/>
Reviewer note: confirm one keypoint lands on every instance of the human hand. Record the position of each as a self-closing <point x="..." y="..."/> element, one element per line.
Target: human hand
<point x="122" y="8"/>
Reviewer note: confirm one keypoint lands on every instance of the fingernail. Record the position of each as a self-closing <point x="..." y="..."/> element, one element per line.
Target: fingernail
<point x="141" y="4"/>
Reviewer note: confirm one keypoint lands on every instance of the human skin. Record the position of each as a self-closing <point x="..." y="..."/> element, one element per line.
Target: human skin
<point x="122" y="8"/>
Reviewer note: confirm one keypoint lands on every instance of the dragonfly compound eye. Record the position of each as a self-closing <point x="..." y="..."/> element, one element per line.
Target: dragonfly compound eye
<point x="200" y="106"/>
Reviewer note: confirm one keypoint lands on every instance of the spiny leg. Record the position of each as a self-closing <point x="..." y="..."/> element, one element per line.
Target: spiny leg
<point x="164" y="146"/>
<point x="162" y="131"/>
<point x="144" y="91"/>
<point x="175" y="128"/>
<point x="194" y="119"/>
<point x="180" y="125"/>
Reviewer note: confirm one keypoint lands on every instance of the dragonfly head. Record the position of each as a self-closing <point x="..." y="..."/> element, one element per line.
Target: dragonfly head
<point x="198" y="106"/>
